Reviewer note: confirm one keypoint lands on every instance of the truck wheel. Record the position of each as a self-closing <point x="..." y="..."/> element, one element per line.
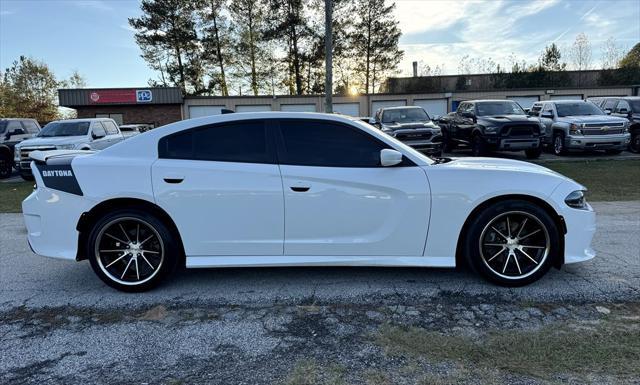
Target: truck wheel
<point x="634" y="146"/>
<point x="558" y="144"/>
<point x="512" y="243"/>
<point x="478" y="147"/>
<point x="533" y="153"/>
<point x="5" y="167"/>
<point x="447" y="143"/>
<point x="132" y="250"/>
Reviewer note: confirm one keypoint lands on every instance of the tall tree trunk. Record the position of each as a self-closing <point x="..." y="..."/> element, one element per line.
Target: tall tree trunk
<point x="294" y="40"/>
<point x="369" y="21"/>
<point x="252" y="53"/>
<point x="328" y="54"/>
<point x="223" y="79"/>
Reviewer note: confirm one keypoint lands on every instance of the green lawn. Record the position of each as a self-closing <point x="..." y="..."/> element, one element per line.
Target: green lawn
<point x="607" y="180"/>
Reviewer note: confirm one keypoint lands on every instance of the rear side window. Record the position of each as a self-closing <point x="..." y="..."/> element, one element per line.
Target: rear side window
<point x="110" y="127"/>
<point x="327" y="144"/>
<point x="609" y="104"/>
<point x="244" y="142"/>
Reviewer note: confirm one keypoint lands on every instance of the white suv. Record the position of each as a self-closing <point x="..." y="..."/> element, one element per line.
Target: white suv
<point x="72" y="134"/>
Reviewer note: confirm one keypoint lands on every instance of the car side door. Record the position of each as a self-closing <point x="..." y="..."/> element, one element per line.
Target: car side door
<point x="98" y="135"/>
<point x="547" y="116"/>
<point x="340" y="201"/>
<point x="221" y="185"/>
<point x="466" y="122"/>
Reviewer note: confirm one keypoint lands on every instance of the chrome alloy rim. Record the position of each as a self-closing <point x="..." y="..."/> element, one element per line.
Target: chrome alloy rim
<point x="129" y="251"/>
<point x="514" y="245"/>
<point x="557" y="144"/>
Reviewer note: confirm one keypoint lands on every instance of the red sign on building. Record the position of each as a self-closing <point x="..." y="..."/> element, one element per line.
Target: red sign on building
<point x="112" y="96"/>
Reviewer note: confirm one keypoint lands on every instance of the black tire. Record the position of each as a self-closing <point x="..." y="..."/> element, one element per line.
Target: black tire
<point x="163" y="251"/>
<point x="518" y="268"/>
<point x="533" y="153"/>
<point x="558" y="146"/>
<point x="613" y="152"/>
<point x="27" y="176"/>
<point x="478" y="146"/>
<point x="6" y="167"/>
<point x="634" y="145"/>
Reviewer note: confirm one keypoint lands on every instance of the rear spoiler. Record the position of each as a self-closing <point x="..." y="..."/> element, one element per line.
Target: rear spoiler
<point x="42" y="156"/>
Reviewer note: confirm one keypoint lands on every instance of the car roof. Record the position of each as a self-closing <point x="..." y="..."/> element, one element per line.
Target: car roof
<point x="399" y="107"/>
<point x="487" y="100"/>
<point x="83" y="120"/>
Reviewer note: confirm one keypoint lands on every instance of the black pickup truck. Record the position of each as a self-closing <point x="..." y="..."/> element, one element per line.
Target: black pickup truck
<point x="487" y="125"/>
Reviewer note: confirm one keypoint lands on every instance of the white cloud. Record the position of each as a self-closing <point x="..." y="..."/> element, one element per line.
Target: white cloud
<point x="97" y="5"/>
<point x="6" y="13"/>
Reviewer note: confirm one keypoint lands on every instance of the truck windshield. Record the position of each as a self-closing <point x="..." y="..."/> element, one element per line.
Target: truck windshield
<point x="498" y="108"/>
<point x="635" y="107"/>
<point x="578" y="108"/>
<point x="405" y="115"/>
<point x="65" y="129"/>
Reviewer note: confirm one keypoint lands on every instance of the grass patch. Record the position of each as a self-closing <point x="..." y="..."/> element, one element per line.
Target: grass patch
<point x="12" y="194"/>
<point x="607" y="180"/>
<point x="310" y="372"/>
<point x="609" y="349"/>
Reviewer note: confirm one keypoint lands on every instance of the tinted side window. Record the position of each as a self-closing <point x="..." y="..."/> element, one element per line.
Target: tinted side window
<point x="244" y="142"/>
<point x="623" y="105"/>
<point x="98" y="129"/>
<point x="14" y="125"/>
<point x="31" y="126"/>
<point x="110" y="128"/>
<point x="609" y="104"/>
<point x="327" y="144"/>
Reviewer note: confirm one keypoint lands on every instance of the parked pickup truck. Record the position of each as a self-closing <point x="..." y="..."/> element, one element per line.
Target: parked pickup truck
<point x="412" y="126"/>
<point x="624" y="107"/>
<point x="12" y="132"/>
<point x="581" y="125"/>
<point x="487" y="125"/>
<point x="72" y="134"/>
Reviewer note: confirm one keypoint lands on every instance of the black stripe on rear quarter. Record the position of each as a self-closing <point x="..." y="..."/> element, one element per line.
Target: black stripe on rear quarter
<point x="59" y="177"/>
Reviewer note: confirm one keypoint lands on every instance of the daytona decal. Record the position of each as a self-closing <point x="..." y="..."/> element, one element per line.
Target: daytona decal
<point x="59" y="177"/>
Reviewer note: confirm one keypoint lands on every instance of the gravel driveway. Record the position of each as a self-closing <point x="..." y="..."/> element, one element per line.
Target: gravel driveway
<point x="60" y="324"/>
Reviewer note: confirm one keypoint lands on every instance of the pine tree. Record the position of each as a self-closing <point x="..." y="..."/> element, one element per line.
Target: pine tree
<point x="216" y="41"/>
<point x="374" y="42"/>
<point x="550" y="59"/>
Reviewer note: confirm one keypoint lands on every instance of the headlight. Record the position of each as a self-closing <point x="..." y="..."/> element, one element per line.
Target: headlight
<point x="576" y="200"/>
<point x="16" y="154"/>
<point x="66" y="147"/>
<point x="574" y="129"/>
<point x="490" y="129"/>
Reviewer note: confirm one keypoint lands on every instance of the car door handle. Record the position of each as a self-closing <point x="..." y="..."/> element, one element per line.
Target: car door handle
<point x="300" y="188"/>
<point x="173" y="180"/>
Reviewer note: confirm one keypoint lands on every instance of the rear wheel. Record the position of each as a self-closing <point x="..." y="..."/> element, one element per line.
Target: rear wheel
<point x="131" y="250"/>
<point x="447" y="143"/>
<point x="512" y="243"/>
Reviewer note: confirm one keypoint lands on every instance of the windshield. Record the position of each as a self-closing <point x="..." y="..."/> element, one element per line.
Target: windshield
<point x="405" y="115"/>
<point x="499" y="108"/>
<point x="65" y="129"/>
<point x="578" y="108"/>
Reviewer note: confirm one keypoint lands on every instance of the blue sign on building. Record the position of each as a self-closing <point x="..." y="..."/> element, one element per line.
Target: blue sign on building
<point x="143" y="96"/>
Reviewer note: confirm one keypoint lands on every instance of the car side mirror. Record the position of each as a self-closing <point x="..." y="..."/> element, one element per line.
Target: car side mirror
<point x="623" y="111"/>
<point x="390" y="157"/>
<point x="547" y="115"/>
<point x="607" y="111"/>
<point x="16" y="131"/>
<point x="372" y="121"/>
<point x="96" y="136"/>
<point x="466" y="114"/>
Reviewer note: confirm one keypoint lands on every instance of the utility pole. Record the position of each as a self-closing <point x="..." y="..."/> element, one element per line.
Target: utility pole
<point x="328" y="54"/>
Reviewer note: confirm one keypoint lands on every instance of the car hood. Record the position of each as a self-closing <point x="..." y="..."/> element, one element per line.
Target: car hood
<point x="411" y="125"/>
<point x="498" y="164"/>
<point x="53" y="140"/>
<point x="592" y="119"/>
<point x="502" y="119"/>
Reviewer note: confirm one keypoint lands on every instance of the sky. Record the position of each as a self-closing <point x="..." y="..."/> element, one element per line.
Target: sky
<point x="93" y="37"/>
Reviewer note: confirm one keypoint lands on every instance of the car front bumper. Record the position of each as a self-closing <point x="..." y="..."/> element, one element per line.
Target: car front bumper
<point x="603" y="142"/>
<point x="512" y="144"/>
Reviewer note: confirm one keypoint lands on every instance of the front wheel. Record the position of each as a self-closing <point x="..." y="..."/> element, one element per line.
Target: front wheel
<point x="132" y="250"/>
<point x="634" y="146"/>
<point x="512" y="243"/>
<point x="478" y="146"/>
<point x="533" y="153"/>
<point x="558" y="144"/>
<point x="5" y="167"/>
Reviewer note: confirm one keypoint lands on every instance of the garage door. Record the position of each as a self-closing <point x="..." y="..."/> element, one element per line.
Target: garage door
<point x="434" y="107"/>
<point x="199" y="111"/>
<point x="386" y="103"/>
<point x="298" y="107"/>
<point x="351" y="109"/>
<point x="565" y="97"/>
<point x="253" y="108"/>
<point x="524" y="101"/>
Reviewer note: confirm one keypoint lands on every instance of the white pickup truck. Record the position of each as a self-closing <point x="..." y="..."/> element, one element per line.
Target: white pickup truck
<point x="72" y="134"/>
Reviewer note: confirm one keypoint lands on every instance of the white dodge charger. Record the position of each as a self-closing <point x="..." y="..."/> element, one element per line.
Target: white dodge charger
<point x="298" y="189"/>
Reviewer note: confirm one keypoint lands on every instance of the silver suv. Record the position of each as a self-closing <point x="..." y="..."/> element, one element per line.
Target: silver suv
<point x="581" y="125"/>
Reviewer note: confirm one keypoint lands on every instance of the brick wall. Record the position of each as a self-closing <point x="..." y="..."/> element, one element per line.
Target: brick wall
<point x="158" y="115"/>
